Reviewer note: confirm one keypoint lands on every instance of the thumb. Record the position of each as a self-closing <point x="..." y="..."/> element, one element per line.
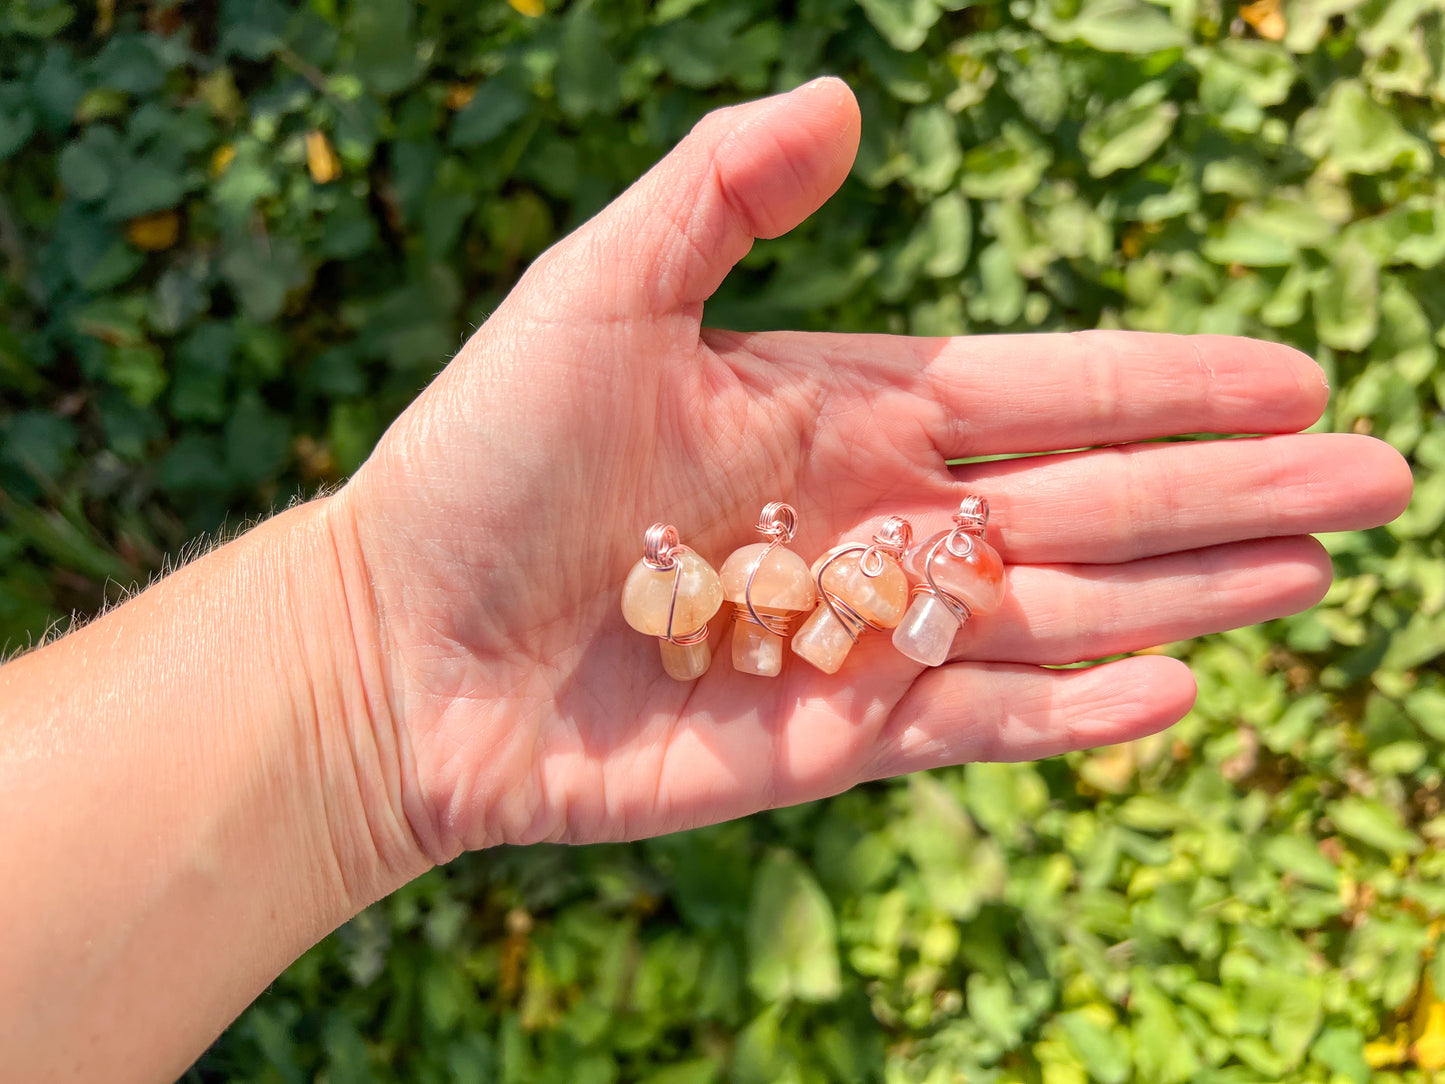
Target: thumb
<point x="747" y="171"/>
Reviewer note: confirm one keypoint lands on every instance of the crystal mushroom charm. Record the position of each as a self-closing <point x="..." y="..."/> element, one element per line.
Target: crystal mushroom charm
<point x="672" y="594"/>
<point x="959" y="575"/>
<point x="862" y="587"/>
<point x="770" y="585"/>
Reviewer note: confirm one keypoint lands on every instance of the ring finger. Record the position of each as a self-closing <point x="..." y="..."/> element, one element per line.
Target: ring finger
<point x="1057" y="614"/>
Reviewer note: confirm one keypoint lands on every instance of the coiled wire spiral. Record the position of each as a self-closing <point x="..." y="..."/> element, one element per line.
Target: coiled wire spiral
<point x="970" y="523"/>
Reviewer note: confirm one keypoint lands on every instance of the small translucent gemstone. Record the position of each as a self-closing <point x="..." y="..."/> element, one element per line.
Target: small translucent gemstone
<point x="823" y="640"/>
<point x="647" y="595"/>
<point x="685" y="662"/>
<point x="880" y="599"/>
<point x="926" y="632"/>
<point x="783" y="581"/>
<point x="782" y="587"/>
<point x="976" y="579"/>
<point x="756" y="650"/>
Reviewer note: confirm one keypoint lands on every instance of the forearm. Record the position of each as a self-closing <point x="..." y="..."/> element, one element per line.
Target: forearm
<point x="193" y="790"/>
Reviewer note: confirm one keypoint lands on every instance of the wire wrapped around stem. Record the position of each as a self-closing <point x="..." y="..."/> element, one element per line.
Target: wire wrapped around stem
<point x="892" y="539"/>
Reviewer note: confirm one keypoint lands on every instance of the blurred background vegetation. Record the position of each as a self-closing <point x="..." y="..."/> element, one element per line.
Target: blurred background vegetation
<point x="236" y="238"/>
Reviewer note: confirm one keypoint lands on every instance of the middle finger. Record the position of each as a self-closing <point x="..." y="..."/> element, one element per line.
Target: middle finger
<point x="1122" y="503"/>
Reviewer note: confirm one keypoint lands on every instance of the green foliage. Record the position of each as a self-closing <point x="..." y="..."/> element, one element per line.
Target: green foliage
<point x="237" y="238"/>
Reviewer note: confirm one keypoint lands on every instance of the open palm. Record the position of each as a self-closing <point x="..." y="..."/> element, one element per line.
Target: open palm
<point x="498" y="517"/>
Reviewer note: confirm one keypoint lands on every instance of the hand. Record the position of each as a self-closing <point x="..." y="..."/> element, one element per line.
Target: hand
<point x="488" y="536"/>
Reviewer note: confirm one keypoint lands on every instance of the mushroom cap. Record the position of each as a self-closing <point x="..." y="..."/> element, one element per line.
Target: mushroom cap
<point x="647" y="595"/>
<point x="783" y="581"/>
<point x="977" y="579"/>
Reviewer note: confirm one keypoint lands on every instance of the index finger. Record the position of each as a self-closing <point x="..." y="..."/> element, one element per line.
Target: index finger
<point x="1033" y="393"/>
<point x="992" y="394"/>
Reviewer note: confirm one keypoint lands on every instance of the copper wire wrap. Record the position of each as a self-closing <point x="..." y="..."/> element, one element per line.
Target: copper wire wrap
<point x="892" y="539"/>
<point x="779" y="522"/>
<point x="660" y="547"/>
<point x="970" y="523"/>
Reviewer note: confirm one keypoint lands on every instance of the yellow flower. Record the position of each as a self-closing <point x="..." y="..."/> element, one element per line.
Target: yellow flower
<point x="321" y="160"/>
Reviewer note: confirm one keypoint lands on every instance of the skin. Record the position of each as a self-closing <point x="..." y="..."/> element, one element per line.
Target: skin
<point x="198" y="786"/>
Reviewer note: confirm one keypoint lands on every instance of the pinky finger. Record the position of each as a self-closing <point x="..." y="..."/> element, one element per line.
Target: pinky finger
<point x="989" y="711"/>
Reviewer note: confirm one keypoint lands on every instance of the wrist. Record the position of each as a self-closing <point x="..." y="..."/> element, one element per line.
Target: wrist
<point x="192" y="792"/>
<point x="366" y="778"/>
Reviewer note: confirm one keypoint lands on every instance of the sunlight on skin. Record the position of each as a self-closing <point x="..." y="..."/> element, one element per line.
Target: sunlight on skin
<point x="435" y="658"/>
<point x="500" y="514"/>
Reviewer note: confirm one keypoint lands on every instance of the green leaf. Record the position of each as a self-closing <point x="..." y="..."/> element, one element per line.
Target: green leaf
<point x="248" y="179"/>
<point x="37" y="18"/>
<point x="1163" y="1052"/>
<point x="1341" y="1049"/>
<point x="949" y="223"/>
<point x="1347" y="299"/>
<point x="904" y="24"/>
<point x="696" y="1071"/>
<point x="498" y="104"/>
<point x="1000" y="299"/>
<point x="1099" y="1048"/>
<point x="87" y="165"/>
<point x="931" y="136"/>
<point x="57" y="88"/>
<point x="17" y="119"/>
<point x="352" y="431"/>
<point x="1374" y="823"/>
<point x="588" y="79"/>
<point x="668" y="10"/>
<point x="761" y="1054"/>
<point x="994" y="1008"/>
<point x="203" y="365"/>
<point x="1410" y="232"/>
<point x="1113" y="26"/>
<point x="64" y="537"/>
<point x="137" y="370"/>
<point x="1258" y="72"/>
<point x="39" y="442"/>
<point x="702" y="52"/>
<point x="1296" y="1019"/>
<point x="792" y="936"/>
<point x="261" y="273"/>
<point x="1271" y="235"/>
<point x="1359" y="135"/>
<point x="1127" y="133"/>
<point x="150" y="184"/>
<point x="1011" y="165"/>
<point x="130" y="63"/>
<point x="381" y="34"/>
<point x="253" y="28"/>
<point x="1300" y="857"/>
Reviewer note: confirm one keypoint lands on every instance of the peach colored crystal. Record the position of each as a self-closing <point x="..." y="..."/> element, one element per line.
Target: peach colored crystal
<point x="647" y="598"/>
<point x="782" y="587"/>
<point x="977" y="580"/>
<point x="823" y="640"/>
<point x="684" y="662"/>
<point x="783" y="581"/>
<point x="647" y="595"/>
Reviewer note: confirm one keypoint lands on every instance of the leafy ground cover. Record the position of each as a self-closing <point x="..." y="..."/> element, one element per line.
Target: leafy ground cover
<point x="237" y="238"/>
